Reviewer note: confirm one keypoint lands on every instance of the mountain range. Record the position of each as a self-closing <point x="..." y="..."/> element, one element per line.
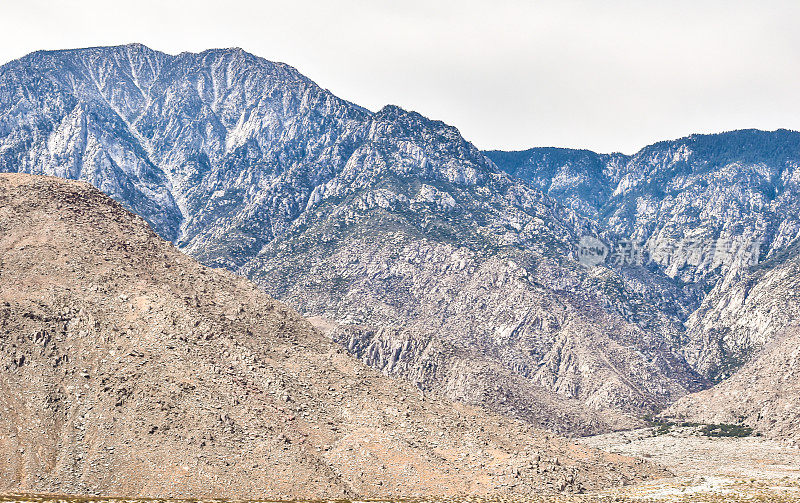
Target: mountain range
<point x="458" y="270"/>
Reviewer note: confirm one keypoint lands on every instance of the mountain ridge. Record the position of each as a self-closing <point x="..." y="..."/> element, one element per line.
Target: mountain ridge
<point x="729" y="191"/>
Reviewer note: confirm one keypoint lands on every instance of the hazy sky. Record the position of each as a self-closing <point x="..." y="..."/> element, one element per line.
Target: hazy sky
<point x="606" y="75"/>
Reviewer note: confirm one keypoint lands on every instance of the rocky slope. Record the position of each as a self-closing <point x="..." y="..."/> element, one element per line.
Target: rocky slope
<point x="579" y="178"/>
<point x="449" y="281"/>
<point x="736" y="187"/>
<point x="127" y="368"/>
<point x="425" y="259"/>
<point x="763" y="394"/>
<point x="706" y="209"/>
<point x="740" y="317"/>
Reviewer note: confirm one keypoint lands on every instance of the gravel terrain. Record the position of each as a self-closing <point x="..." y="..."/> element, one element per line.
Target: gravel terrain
<point x="687" y="453"/>
<point x="707" y="468"/>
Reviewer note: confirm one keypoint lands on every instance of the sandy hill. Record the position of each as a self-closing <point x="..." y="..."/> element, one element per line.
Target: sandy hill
<point x="127" y="368"/>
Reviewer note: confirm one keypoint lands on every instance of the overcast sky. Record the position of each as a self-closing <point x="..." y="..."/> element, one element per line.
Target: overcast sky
<point x="605" y="75"/>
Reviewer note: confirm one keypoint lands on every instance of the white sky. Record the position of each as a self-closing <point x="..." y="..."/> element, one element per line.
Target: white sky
<point x="607" y="75"/>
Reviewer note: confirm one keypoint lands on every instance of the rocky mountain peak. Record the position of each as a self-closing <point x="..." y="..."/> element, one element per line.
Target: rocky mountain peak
<point x="714" y="213"/>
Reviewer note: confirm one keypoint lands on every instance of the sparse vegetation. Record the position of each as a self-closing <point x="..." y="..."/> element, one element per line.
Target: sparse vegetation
<point x="683" y="491"/>
<point x="726" y="430"/>
<point x="662" y="427"/>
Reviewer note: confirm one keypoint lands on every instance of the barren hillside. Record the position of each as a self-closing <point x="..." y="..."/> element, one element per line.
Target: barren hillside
<point x="128" y="368"/>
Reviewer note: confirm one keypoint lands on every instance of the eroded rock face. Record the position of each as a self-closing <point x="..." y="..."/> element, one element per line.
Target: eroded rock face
<point x="127" y="368"/>
<point x="70" y="116"/>
<point x="740" y="317"/>
<point x="485" y="271"/>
